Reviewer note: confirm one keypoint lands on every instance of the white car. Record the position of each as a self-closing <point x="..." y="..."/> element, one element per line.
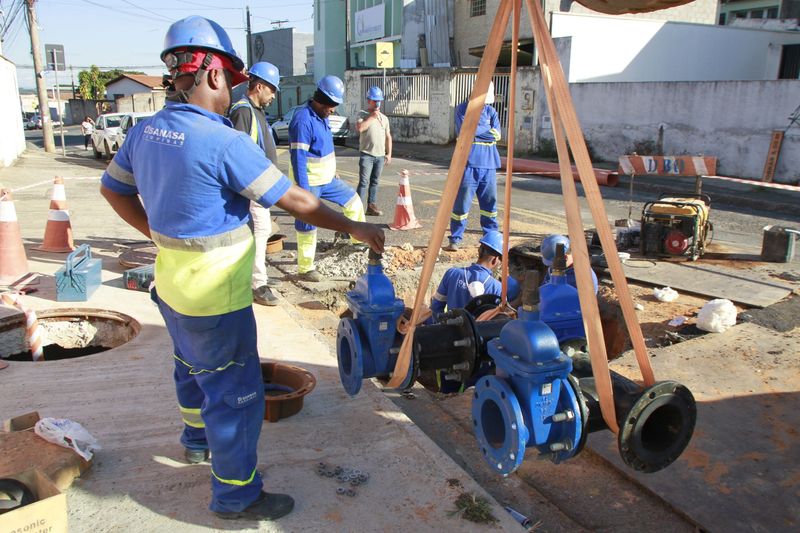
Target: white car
<point x="340" y="126"/>
<point x="104" y="135"/>
<point x="129" y="121"/>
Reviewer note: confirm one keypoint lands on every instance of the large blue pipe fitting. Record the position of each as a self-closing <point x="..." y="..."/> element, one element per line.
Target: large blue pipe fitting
<point x="530" y="402"/>
<point x="367" y="344"/>
<point x="560" y="308"/>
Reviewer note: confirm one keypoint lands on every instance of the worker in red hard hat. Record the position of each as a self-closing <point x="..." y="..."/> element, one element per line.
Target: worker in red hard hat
<point x="196" y="176"/>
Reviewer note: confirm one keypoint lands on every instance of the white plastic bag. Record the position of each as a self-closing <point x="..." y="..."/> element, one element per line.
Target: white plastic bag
<point x="68" y="434"/>
<point x="717" y="316"/>
<point x="677" y="321"/>
<point x="667" y="294"/>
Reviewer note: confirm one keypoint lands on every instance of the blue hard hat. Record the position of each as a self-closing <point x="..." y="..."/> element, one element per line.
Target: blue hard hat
<point x="493" y="240"/>
<point x="267" y="72"/>
<point x="199" y="32"/>
<point x="513" y="288"/>
<point x="332" y="87"/>
<point x="375" y="94"/>
<point x="549" y="245"/>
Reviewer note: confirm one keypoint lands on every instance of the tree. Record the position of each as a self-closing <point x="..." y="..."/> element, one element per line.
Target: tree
<point x="92" y="82"/>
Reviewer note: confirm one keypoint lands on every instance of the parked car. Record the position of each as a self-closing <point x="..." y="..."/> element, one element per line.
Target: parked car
<point x="340" y="126"/>
<point x="129" y="121"/>
<point x="104" y="136"/>
<point x="34" y="123"/>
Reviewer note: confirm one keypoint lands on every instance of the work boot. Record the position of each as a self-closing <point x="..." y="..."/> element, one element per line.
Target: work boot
<point x="373" y="211"/>
<point x="194" y="457"/>
<point x="264" y="296"/>
<point x="453" y="246"/>
<point x="312" y="275"/>
<point x="268" y="506"/>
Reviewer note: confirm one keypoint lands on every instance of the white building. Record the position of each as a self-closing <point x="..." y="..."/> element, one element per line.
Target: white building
<point x="12" y="135"/>
<point x="130" y="84"/>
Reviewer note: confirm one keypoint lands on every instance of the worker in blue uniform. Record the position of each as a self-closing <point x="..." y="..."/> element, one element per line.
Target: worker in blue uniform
<point x="548" y="251"/>
<point x="196" y="176"/>
<point x="459" y="285"/>
<point x="480" y="174"/>
<point x="314" y="168"/>
<point x="247" y="115"/>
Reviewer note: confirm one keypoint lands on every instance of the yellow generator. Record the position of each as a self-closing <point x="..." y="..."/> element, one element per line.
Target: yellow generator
<point x="676" y="226"/>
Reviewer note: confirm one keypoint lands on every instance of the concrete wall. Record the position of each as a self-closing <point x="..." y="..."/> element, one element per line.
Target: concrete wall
<point x="731" y="120"/>
<point x="606" y="48"/>
<point x="12" y="134"/>
<point x="285" y="48"/>
<point x="78" y="108"/>
<point x="153" y="101"/>
<point x="125" y="87"/>
<point x="294" y="91"/>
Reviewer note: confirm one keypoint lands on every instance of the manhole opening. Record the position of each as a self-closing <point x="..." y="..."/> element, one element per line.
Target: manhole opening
<point x="67" y="333"/>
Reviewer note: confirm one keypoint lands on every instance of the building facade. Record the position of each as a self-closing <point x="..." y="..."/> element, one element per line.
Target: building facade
<point x="286" y="48"/>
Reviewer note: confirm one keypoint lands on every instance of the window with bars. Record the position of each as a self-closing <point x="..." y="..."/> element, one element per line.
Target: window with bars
<point x="477" y="8"/>
<point x="404" y="96"/>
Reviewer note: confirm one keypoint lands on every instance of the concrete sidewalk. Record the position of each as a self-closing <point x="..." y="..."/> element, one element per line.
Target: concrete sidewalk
<point x="125" y="397"/>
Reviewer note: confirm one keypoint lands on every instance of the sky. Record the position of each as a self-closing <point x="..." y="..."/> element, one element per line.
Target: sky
<point x="130" y="33"/>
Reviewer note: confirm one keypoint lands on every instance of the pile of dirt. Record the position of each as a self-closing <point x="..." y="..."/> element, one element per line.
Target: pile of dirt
<point x="342" y="261"/>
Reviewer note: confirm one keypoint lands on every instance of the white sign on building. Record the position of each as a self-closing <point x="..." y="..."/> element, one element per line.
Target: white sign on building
<point x="369" y="23"/>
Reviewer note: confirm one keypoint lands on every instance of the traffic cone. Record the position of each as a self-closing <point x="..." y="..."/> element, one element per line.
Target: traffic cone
<point x="13" y="262"/>
<point x="404" y="210"/>
<point x="58" y="232"/>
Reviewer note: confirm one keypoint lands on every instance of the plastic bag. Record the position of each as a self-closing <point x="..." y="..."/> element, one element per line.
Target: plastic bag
<point x="666" y="294"/>
<point x="717" y="316"/>
<point x="68" y="434"/>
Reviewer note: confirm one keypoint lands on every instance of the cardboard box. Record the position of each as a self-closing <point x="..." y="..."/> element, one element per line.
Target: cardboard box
<point x="47" y="515"/>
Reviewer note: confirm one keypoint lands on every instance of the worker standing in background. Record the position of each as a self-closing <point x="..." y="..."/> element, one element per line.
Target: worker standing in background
<point x="480" y="174"/>
<point x="548" y="251"/>
<point x="196" y="176"/>
<point x="314" y="168"/>
<point x="375" y="145"/>
<point x="248" y="116"/>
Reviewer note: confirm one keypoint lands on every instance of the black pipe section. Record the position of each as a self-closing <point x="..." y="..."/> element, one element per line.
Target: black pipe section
<point x="656" y="424"/>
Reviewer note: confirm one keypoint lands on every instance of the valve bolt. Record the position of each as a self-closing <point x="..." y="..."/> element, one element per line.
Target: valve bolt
<point x="560" y="446"/>
<point x="564" y="416"/>
<point x="461" y="366"/>
<point x="462" y="342"/>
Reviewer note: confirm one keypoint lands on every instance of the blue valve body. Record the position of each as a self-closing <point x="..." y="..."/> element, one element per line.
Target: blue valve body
<point x="364" y="342"/>
<point x="560" y="308"/>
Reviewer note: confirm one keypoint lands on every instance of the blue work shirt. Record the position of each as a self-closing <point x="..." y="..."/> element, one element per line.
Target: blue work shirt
<point x="484" y="152"/>
<point x="311" y="148"/>
<point x="453" y="291"/>
<point x="196" y="176"/>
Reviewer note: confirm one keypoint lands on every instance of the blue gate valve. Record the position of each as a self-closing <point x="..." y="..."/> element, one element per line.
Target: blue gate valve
<point x="530" y="402"/>
<point x="367" y="344"/>
<point x="560" y="305"/>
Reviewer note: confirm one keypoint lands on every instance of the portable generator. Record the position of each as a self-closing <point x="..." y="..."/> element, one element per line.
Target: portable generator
<point x="676" y="226"/>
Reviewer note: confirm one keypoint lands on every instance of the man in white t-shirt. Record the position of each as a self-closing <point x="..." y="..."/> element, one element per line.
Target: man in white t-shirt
<point x="375" y="145"/>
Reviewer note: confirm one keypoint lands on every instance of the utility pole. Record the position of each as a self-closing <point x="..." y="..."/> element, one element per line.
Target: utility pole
<point x="249" y="41"/>
<point x="41" y="89"/>
<point x="346" y="34"/>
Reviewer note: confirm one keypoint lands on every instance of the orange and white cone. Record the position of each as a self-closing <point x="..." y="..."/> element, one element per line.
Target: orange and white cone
<point x="404" y="210"/>
<point x="13" y="261"/>
<point x="58" y="232"/>
<point x="33" y="330"/>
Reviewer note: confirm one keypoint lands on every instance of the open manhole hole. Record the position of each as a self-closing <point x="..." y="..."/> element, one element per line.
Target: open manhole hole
<point x="67" y="333"/>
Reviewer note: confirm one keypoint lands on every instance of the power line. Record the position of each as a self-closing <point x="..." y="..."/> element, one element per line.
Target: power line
<point x="159" y="15"/>
<point x="120" y="11"/>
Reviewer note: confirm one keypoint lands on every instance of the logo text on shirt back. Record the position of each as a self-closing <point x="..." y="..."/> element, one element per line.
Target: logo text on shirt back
<point x="164" y="136"/>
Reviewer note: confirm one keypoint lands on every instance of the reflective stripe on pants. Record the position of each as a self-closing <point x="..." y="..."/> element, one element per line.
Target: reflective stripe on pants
<point x="482" y="181"/>
<point x="339" y="193"/>
<point x="217" y="371"/>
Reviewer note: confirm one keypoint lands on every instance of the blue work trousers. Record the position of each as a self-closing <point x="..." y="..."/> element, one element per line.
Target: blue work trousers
<point x="221" y="396"/>
<point x="482" y="181"/>
<point x="369" y="172"/>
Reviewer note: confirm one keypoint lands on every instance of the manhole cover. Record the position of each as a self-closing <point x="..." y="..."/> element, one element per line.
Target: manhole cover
<point x="67" y="333"/>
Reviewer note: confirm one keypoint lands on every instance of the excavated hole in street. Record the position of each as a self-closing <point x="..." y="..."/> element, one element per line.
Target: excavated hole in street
<point x="67" y="333"/>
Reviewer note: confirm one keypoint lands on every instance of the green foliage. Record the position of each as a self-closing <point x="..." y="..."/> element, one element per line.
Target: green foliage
<point x="92" y="82"/>
<point x="474" y="508"/>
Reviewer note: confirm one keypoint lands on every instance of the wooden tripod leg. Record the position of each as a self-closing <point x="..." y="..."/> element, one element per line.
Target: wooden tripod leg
<point x="454" y="174"/>
<point x="591" y="190"/>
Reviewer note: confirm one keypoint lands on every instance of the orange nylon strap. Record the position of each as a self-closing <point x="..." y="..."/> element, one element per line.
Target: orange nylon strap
<point x="454" y="174"/>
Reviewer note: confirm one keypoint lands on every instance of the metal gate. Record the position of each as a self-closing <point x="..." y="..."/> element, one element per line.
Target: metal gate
<point x="461" y="87"/>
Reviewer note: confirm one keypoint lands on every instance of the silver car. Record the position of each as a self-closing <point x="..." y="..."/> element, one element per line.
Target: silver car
<point x="340" y="126"/>
<point x="129" y="121"/>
